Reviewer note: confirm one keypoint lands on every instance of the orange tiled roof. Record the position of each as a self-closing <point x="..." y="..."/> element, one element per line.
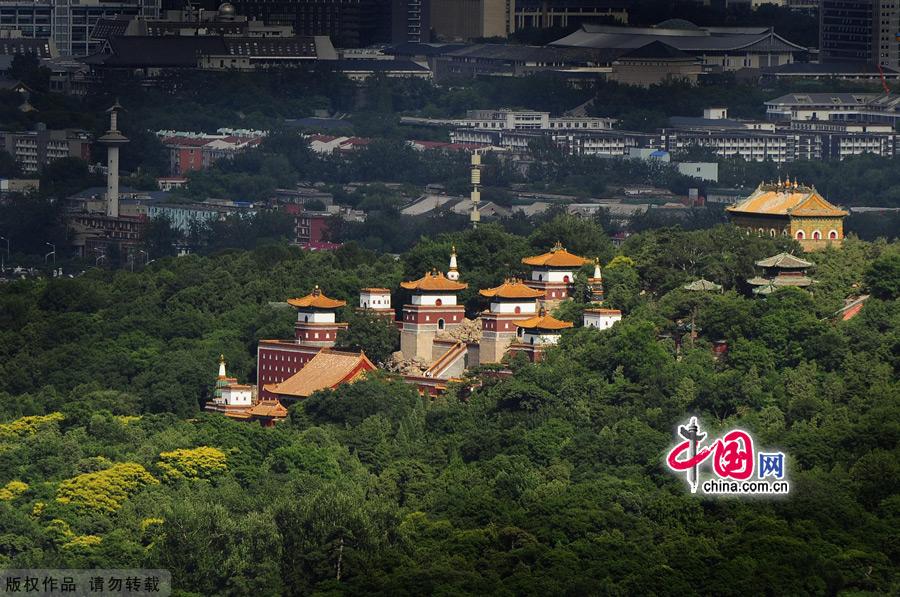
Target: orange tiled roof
<point x="374" y="290"/>
<point x="268" y="408"/>
<point x="316" y="300"/>
<point x="434" y="282"/>
<point x="557" y="257"/>
<point x="604" y="311"/>
<point x="786" y="199"/>
<point x="544" y="322"/>
<point x="328" y="369"/>
<point x="512" y="289"/>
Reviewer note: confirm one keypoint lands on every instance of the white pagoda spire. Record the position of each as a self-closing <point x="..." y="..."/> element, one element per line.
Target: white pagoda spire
<point x="597" y="273"/>
<point x="222" y="366"/>
<point x="453" y="272"/>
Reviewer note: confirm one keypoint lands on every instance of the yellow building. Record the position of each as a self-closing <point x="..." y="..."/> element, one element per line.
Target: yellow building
<point x="790" y="209"/>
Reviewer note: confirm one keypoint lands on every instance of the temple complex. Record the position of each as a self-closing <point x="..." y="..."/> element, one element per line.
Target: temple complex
<point x="781" y="271"/>
<point x="438" y="344"/>
<point x="790" y="209"/>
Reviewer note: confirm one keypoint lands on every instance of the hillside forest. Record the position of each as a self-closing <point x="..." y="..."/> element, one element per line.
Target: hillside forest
<point x="547" y="481"/>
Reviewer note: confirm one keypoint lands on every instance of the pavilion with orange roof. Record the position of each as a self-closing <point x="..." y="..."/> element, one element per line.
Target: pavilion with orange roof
<point x="553" y="273"/>
<point x="537" y="332"/>
<point x="790" y="209"/>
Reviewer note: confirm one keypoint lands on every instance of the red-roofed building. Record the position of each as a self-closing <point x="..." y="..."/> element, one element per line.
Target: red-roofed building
<point x="189" y="152"/>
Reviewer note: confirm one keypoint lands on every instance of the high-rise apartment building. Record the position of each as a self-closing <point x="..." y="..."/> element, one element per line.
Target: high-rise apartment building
<point x="860" y="31"/>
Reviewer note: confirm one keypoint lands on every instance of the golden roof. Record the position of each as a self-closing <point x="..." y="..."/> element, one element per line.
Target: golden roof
<point x="786" y="199"/>
<point x="374" y="290"/>
<point x="604" y="311"/>
<point x="316" y="300"/>
<point x="512" y="289"/>
<point x="434" y="282"/>
<point x="328" y="369"/>
<point x="542" y="321"/>
<point x="557" y="257"/>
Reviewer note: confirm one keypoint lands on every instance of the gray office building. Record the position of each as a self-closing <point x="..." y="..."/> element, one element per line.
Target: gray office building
<point x="860" y="31"/>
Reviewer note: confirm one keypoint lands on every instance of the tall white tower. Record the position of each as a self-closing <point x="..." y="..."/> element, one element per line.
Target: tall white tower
<point x="475" y="215"/>
<point x="112" y="140"/>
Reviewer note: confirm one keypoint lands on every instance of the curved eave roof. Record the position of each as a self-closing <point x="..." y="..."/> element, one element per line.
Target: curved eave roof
<point x="543" y="322"/>
<point x="557" y="257"/>
<point x="713" y="40"/>
<point x="434" y="282"/>
<point x="786" y="201"/>
<point x="785" y="260"/>
<point x="316" y="300"/>
<point x="511" y="290"/>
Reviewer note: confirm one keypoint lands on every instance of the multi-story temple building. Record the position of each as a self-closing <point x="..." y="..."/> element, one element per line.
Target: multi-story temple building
<point x="790" y="209"/>
<point x="781" y="271"/>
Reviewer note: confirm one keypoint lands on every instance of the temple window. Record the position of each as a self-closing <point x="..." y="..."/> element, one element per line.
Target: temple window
<point x="518" y="310"/>
<point x="440" y="324"/>
<point x="833" y="235"/>
<point x="772" y="232"/>
<point x="817" y="235"/>
<point x="800" y="235"/>
<point x="438" y="303"/>
<point x="566" y="279"/>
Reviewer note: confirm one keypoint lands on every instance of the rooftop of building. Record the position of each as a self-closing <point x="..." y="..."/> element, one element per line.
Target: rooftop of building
<point x="786" y="199"/>
<point x="785" y="260"/>
<point x="316" y="300"/>
<point x="703" y="285"/>
<point x="556" y="257"/>
<point x="327" y="370"/>
<point x="543" y="321"/>
<point x="676" y="34"/>
<point x="658" y="50"/>
<point x="268" y="408"/>
<point x="837" y="100"/>
<point x="512" y="289"/>
<point x="830" y="68"/>
<point x="434" y="281"/>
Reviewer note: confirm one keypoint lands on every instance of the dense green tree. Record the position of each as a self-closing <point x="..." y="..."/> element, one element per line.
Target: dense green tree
<point x="373" y="333"/>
